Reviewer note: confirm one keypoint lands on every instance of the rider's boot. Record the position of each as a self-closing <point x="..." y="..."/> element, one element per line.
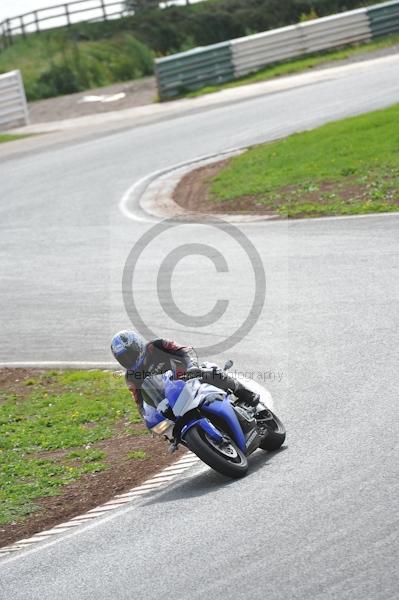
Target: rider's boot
<point x="245" y="395"/>
<point x="224" y="381"/>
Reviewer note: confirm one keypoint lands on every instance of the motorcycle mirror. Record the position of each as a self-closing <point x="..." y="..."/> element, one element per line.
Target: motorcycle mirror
<point x="228" y="365"/>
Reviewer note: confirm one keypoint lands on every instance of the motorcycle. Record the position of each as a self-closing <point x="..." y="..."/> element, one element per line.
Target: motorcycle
<point x="209" y="421"/>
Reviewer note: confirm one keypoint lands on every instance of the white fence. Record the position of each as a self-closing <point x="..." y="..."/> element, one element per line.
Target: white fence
<point x="13" y="107"/>
<point x="67" y="14"/>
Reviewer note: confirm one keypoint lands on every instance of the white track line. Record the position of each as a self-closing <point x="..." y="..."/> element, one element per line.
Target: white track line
<point x="341" y="217"/>
<point x="137" y="213"/>
<point x="136" y="190"/>
<point x="156" y="483"/>
<point x="61" y="364"/>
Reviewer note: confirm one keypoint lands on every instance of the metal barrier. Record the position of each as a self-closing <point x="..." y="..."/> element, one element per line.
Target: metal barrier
<point x="188" y="71"/>
<point x="253" y="52"/>
<point x="384" y="18"/>
<point x="335" y="31"/>
<point x="256" y="51"/>
<point x="194" y="69"/>
<point x="13" y="107"/>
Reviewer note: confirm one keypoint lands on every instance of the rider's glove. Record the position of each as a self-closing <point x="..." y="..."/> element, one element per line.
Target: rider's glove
<point x="193" y="372"/>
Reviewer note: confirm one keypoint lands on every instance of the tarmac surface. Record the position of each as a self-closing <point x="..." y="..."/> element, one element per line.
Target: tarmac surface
<point x="139" y="92"/>
<point x="315" y="520"/>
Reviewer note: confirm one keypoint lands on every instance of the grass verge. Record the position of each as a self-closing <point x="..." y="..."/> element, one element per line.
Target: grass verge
<point x="7" y="137"/>
<point x="50" y="427"/>
<point x="343" y="168"/>
<point x="300" y="65"/>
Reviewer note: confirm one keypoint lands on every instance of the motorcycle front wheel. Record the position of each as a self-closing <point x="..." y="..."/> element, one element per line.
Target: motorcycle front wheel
<point x="274" y="431"/>
<point x="225" y="457"/>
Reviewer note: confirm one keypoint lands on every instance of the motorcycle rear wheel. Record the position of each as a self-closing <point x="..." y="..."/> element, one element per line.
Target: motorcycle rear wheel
<point x="274" y="437"/>
<point x="228" y="460"/>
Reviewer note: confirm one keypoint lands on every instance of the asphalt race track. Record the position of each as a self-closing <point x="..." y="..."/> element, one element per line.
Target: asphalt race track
<point x="317" y="520"/>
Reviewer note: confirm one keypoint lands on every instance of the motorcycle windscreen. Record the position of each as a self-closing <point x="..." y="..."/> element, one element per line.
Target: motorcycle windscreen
<point x="153" y="389"/>
<point x="194" y="394"/>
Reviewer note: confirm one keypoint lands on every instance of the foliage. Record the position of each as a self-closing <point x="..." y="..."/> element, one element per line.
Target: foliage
<point x="75" y="65"/>
<point x="141" y="5"/>
<point x="347" y="167"/>
<point x="310" y="16"/>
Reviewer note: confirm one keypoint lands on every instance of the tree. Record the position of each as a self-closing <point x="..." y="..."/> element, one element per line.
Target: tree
<point x="141" y="5"/>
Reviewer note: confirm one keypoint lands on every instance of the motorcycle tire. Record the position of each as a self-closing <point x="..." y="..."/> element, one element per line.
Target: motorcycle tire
<point x="215" y="456"/>
<point x="275" y="436"/>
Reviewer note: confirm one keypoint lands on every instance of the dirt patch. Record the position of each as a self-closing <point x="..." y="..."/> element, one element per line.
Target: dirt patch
<point x="20" y="381"/>
<point x="137" y="93"/>
<point x="193" y="193"/>
<point x="15" y="381"/>
<point x="93" y="489"/>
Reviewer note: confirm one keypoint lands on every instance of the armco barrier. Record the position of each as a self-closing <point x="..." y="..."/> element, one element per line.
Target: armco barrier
<point x="194" y="69"/>
<point x="235" y="58"/>
<point x="335" y="31"/>
<point x="256" y="51"/>
<point x="384" y="18"/>
<point x="13" y="107"/>
<point x="250" y="53"/>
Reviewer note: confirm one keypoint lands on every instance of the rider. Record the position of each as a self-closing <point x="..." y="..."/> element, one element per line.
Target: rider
<point x="141" y="359"/>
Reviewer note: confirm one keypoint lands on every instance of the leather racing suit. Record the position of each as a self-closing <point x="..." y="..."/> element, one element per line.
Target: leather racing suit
<point x="162" y="355"/>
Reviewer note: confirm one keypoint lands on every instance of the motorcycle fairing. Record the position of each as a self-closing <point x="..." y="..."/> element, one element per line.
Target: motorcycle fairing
<point x="151" y="416"/>
<point x="224" y="411"/>
<point x="184" y="397"/>
<point x="173" y="389"/>
<point x="206" y="426"/>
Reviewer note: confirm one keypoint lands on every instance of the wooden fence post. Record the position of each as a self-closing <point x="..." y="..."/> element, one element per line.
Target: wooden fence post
<point x="67" y="15"/>
<point x="9" y="33"/>
<point x="104" y="10"/>
<point x="21" y="20"/>
<point x="3" y="35"/>
<point x="37" y="22"/>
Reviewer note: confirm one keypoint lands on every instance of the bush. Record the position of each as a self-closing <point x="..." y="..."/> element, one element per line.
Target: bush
<point x="56" y="81"/>
<point x="79" y="66"/>
<point x="309" y="16"/>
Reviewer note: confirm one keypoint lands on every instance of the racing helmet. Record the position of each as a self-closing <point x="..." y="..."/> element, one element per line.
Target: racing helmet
<point x="129" y="349"/>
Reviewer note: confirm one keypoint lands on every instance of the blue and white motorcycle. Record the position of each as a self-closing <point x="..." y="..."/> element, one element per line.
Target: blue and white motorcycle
<point x="212" y="423"/>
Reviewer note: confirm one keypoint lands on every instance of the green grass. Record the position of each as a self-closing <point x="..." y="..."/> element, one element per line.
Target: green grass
<point x="53" y="63"/>
<point x="86" y="456"/>
<point x="42" y="417"/>
<point x="137" y="455"/>
<point x="300" y="65"/>
<point x="6" y="137"/>
<point x="346" y="167"/>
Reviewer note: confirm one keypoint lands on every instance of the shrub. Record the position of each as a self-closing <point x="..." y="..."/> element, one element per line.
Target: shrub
<point x="80" y="66"/>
